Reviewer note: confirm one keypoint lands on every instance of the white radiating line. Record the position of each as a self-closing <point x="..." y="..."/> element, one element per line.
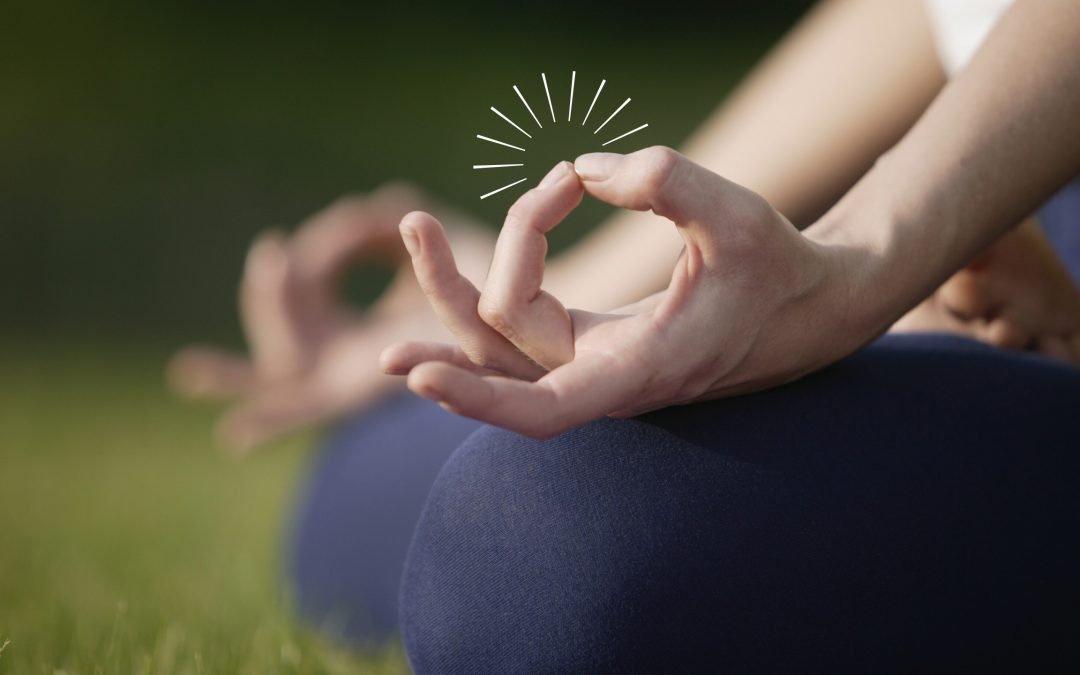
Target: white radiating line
<point x="493" y="166"/>
<point x="612" y="115"/>
<point x="510" y="121"/>
<point x="573" y="79"/>
<point x="528" y="107"/>
<point x="492" y="140"/>
<point x="624" y="135"/>
<point x="551" y="107"/>
<point x="505" y="187"/>
<point x="598" y="90"/>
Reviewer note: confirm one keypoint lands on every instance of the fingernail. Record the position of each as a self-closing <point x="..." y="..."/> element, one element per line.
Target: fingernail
<point x="597" y="165"/>
<point x="554" y="175"/>
<point x="412" y="242"/>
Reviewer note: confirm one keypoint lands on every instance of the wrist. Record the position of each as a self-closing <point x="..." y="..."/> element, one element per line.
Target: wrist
<point x="883" y="263"/>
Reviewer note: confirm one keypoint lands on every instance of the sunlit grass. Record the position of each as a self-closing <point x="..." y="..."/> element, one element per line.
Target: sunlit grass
<point x="128" y="544"/>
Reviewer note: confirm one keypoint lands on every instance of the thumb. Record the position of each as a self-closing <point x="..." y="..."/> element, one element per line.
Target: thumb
<point x="707" y="208"/>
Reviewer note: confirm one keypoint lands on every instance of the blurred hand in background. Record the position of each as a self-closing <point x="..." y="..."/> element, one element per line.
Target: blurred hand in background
<point x="312" y="357"/>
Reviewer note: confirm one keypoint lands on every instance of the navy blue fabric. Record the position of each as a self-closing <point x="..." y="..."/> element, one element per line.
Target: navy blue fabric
<point x="914" y="506"/>
<point x="1060" y="218"/>
<point x="357" y="512"/>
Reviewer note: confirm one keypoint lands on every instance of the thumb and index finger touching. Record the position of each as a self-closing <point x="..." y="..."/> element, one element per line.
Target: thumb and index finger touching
<point x="657" y="179"/>
<point x="663" y="181"/>
<point x="579" y="387"/>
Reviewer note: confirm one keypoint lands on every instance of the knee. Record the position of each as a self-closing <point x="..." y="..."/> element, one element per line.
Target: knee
<point x="541" y="556"/>
<point x="357" y="512"/>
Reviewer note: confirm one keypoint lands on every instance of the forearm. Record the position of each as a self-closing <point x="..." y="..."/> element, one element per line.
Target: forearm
<point x="847" y="82"/>
<point x="995" y="144"/>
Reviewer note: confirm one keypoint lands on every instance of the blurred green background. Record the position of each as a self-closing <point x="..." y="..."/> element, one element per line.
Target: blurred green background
<point x="142" y="146"/>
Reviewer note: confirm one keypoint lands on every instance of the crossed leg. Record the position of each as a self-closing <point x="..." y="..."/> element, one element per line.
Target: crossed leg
<point x="913" y="505"/>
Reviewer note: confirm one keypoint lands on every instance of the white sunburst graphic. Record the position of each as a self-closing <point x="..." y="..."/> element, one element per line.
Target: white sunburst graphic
<point x="554" y="120"/>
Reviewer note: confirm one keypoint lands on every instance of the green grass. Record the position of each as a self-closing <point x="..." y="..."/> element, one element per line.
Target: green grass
<point x="128" y="544"/>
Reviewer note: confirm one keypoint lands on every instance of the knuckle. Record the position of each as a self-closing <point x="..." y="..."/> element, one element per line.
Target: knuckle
<point x="660" y="164"/>
<point x="519" y="214"/>
<point x="661" y="167"/>
<point x="498" y="313"/>
<point x="484" y="358"/>
<point x="659" y="155"/>
<point x="757" y="208"/>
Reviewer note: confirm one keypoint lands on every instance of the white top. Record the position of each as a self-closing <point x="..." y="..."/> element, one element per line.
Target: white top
<point x="960" y="26"/>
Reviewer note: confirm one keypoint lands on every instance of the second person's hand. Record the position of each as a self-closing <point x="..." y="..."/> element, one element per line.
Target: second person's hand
<point x="312" y="357"/>
<point x="1015" y="295"/>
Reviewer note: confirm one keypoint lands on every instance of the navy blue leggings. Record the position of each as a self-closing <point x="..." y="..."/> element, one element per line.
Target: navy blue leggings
<point x="358" y="511"/>
<point x="911" y="506"/>
<point x="914" y="506"/>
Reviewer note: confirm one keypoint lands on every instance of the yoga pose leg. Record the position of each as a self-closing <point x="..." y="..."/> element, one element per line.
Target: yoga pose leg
<point x="913" y="505"/>
<point x="358" y="510"/>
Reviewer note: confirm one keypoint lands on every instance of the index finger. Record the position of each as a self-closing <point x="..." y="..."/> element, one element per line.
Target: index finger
<point x="512" y="301"/>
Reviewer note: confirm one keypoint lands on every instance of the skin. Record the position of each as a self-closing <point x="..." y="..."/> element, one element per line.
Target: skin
<point x="775" y="303"/>
<point x="859" y="90"/>
<point x="312" y="357"/>
<point x="615" y="363"/>
<point x="1016" y="295"/>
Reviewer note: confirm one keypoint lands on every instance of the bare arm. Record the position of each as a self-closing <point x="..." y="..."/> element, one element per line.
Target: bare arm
<point x="844" y="86"/>
<point x="999" y="140"/>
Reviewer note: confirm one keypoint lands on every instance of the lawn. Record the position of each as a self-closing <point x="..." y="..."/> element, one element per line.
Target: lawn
<point x="129" y="543"/>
